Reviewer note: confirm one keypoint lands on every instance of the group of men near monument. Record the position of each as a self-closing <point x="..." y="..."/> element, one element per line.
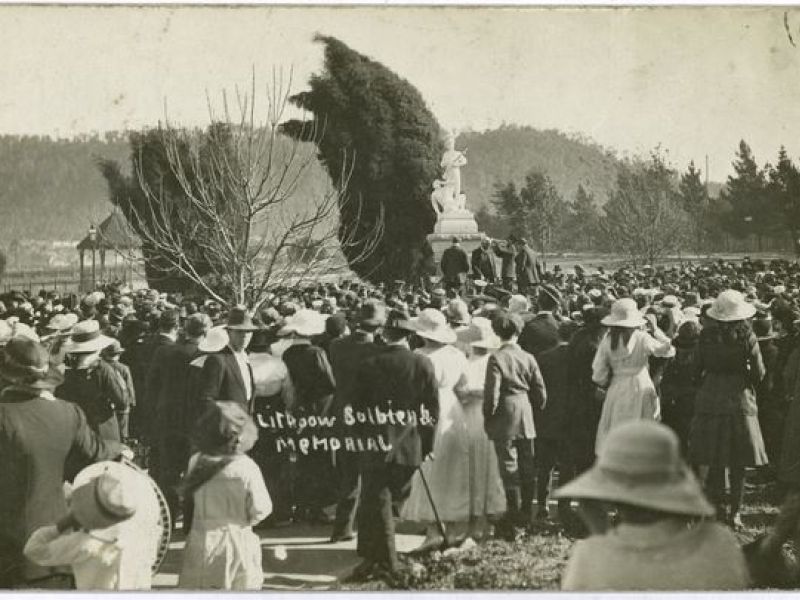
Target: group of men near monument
<point x="519" y="266"/>
<point x="515" y="385"/>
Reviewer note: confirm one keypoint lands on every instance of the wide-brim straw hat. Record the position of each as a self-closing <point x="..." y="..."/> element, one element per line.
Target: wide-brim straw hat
<point x="304" y="322"/>
<point x="431" y="324"/>
<point x="107" y="495"/>
<point x="86" y="338"/>
<point x="215" y="340"/>
<point x="639" y="464"/>
<point x="485" y="337"/>
<point x="62" y="323"/>
<point x="730" y="305"/>
<point x="624" y="313"/>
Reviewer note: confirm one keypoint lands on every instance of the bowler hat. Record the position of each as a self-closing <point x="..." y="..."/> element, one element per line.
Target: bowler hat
<point x="240" y="320"/>
<point x="399" y="319"/>
<point x="372" y="314"/>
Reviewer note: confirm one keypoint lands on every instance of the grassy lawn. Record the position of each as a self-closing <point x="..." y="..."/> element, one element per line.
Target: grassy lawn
<point x="535" y="561"/>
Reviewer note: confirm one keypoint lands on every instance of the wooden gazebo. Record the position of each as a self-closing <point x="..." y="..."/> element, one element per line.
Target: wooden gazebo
<point x="113" y="235"/>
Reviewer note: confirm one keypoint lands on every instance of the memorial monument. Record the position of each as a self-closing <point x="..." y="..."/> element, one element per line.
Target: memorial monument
<point x="453" y="218"/>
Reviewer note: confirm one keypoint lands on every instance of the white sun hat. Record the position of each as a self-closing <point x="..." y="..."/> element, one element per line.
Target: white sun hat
<point x="305" y="322"/>
<point x="624" y="313"/>
<point x="730" y="305"/>
<point x="432" y="324"/>
<point x="215" y="339"/>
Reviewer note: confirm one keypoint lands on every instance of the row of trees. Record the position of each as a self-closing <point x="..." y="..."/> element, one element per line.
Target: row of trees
<point x="654" y="211"/>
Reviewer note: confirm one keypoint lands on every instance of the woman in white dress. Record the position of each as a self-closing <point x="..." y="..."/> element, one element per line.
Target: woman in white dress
<point x="622" y="363"/>
<point x="486" y="493"/>
<point x="448" y="473"/>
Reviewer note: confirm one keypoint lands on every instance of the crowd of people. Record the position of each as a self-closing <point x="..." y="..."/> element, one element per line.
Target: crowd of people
<point x="451" y="405"/>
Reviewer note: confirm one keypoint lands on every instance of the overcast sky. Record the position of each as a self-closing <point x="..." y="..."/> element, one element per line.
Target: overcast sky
<point x="695" y="80"/>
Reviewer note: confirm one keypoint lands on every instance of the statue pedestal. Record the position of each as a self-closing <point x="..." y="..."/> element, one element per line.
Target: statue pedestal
<point x="456" y="224"/>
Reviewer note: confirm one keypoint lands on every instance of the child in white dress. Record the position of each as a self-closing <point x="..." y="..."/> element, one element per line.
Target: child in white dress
<point x="229" y="497"/>
<point x="110" y="535"/>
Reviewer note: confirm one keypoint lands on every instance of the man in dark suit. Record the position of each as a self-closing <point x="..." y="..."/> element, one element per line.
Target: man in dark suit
<point x="508" y="271"/>
<point x="514" y="386"/>
<point x="483" y="262"/>
<point x="37" y="434"/>
<point x="226" y="375"/>
<point x="541" y="332"/>
<point x="551" y="422"/>
<point x="168" y="379"/>
<point x="346" y="356"/>
<point x="528" y="267"/>
<point x="398" y="379"/>
<point x="455" y="266"/>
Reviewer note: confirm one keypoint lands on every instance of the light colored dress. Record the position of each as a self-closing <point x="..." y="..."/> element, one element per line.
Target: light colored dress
<point x="486" y="493"/>
<point x="448" y="473"/>
<point x="631" y="394"/>
<point x="222" y="551"/>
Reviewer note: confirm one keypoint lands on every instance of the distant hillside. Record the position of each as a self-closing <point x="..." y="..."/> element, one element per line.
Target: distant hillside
<point x="508" y="153"/>
<point x="51" y="189"/>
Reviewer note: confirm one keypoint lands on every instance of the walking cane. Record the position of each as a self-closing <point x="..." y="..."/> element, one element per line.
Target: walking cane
<point x="439" y="523"/>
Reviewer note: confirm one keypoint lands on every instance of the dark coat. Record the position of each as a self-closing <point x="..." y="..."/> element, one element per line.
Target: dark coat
<point x="36" y="436"/>
<point x="312" y="378"/>
<point x="139" y="357"/>
<point x="455" y="264"/>
<point x="507" y="265"/>
<point x="221" y="380"/>
<point x="483" y="265"/>
<point x="539" y="334"/>
<point x="551" y="421"/>
<point x="513" y="387"/>
<point x="528" y="269"/>
<point x="398" y="379"/>
<point x="346" y="355"/>
<point x="100" y="392"/>
<point x="167" y="386"/>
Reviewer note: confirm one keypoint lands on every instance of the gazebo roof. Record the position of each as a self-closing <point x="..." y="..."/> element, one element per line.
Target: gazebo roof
<point x="113" y="234"/>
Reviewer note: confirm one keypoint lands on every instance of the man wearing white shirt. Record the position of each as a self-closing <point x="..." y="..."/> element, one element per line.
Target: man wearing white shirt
<point x="227" y="375"/>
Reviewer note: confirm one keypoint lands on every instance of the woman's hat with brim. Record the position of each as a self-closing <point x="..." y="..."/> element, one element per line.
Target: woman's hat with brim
<point x="26" y="362"/>
<point x="431" y="324"/>
<point x="485" y="337"/>
<point x="304" y="322"/>
<point x="86" y="338"/>
<point x="730" y="305"/>
<point x="624" y="313"/>
<point x="215" y="340"/>
<point x="639" y="464"/>
<point x="240" y="320"/>
<point x="61" y="324"/>
<point x="107" y="493"/>
<point x="225" y="427"/>
<point x="458" y="311"/>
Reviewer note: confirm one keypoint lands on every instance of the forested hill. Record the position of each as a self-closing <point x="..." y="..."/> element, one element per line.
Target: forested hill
<point x="508" y="153"/>
<point x="51" y="189"/>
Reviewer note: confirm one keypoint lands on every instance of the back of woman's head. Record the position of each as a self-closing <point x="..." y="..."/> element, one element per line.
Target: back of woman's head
<point x="619" y="336"/>
<point x="225" y="428"/>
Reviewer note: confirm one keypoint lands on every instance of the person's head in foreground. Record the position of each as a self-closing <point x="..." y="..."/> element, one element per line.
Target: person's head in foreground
<point x="664" y="538"/>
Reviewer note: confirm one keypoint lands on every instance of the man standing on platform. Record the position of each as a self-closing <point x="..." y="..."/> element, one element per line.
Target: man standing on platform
<point x="528" y="267"/>
<point x="507" y="268"/>
<point x="455" y="266"/>
<point x="483" y="262"/>
<point x="397" y="379"/>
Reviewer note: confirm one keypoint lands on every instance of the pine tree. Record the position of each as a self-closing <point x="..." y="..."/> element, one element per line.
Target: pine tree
<point x="746" y="195"/>
<point x="784" y="190"/>
<point x="584" y="221"/>
<point x="380" y="139"/>
<point x="695" y="201"/>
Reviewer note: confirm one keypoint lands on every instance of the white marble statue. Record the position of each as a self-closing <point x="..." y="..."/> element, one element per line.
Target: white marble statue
<point x="446" y="196"/>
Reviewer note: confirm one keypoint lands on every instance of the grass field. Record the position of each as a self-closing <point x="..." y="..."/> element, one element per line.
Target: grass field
<point x="535" y="561"/>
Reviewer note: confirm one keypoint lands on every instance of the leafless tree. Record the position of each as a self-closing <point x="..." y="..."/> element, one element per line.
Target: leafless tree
<point x="244" y="216"/>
